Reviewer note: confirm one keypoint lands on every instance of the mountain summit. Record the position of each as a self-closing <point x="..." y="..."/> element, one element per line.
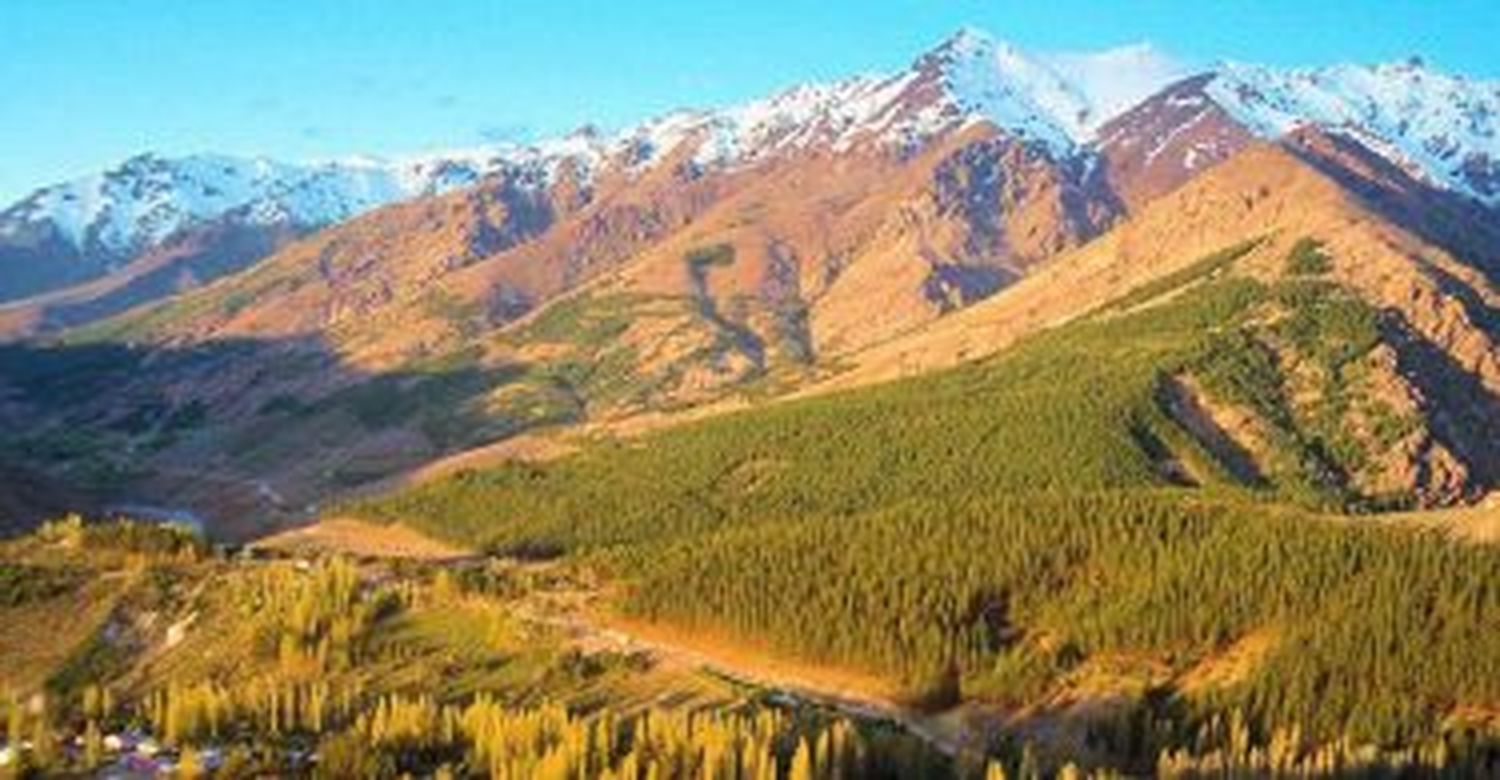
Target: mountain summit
<point x="1439" y="126"/>
<point x="1058" y="99"/>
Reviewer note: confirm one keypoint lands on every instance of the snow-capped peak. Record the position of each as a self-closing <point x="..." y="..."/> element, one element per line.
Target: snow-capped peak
<point x="990" y="79"/>
<point x="1060" y="99"/>
<point x="1440" y="125"/>
<point x="1446" y="128"/>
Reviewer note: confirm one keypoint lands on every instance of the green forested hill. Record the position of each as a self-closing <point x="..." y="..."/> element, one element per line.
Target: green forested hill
<point x="1077" y="409"/>
<point x="981" y="533"/>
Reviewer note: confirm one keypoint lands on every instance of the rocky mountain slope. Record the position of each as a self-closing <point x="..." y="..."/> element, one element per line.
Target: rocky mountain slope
<point x="1081" y="108"/>
<point x="1427" y="365"/>
<point x="825" y="237"/>
<point x="78" y="231"/>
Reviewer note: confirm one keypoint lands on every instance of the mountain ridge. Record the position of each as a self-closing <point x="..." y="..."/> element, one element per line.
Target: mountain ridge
<point x="94" y="225"/>
<point x="711" y="261"/>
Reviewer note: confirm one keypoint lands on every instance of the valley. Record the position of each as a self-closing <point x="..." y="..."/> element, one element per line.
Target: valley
<point x="1005" y="414"/>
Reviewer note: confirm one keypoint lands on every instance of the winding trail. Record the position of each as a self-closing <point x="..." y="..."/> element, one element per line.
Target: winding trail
<point x="580" y="615"/>
<point x="576" y="615"/>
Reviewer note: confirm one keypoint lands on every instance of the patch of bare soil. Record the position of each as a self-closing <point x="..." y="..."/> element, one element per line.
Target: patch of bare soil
<point x="362" y="539"/>
<point x="1059" y="725"/>
<point x="1231" y="665"/>
<point x="1478" y="524"/>
<point x="579" y="616"/>
<point x="1480" y="719"/>
<point x="1226" y="432"/>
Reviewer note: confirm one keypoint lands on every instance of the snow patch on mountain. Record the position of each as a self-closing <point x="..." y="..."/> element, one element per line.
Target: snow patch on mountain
<point x="834" y="116"/>
<point x="1444" y="128"/>
<point x="1060" y="99"/>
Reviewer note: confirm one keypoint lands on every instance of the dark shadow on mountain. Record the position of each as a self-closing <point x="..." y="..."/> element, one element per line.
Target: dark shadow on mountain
<point x="246" y="434"/>
<point x="1463" y="414"/>
<point x="735" y="334"/>
<point x="27" y="497"/>
<point x="1463" y="227"/>
<point x="954" y="285"/>
<point x="1478" y="310"/>
<point x="187" y="260"/>
<point x="34" y="261"/>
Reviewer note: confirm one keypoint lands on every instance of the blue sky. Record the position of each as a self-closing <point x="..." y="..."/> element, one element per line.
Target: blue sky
<point x="87" y="83"/>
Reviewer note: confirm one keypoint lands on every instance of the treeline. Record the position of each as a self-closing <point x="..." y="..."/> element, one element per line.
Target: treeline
<point x="340" y="735"/>
<point x="398" y="735"/>
<point x="150" y="540"/>
<point x="1227" y="747"/>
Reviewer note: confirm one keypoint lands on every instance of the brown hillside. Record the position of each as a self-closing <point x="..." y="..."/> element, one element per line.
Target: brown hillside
<point x="1438" y="354"/>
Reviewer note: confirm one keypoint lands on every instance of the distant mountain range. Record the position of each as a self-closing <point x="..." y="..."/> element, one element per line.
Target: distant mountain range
<point x="831" y="235"/>
<point x="1440" y="126"/>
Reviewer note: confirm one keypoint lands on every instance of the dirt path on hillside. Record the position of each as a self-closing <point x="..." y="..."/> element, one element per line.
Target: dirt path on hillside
<point x="581" y="618"/>
<point x="1478" y="524"/>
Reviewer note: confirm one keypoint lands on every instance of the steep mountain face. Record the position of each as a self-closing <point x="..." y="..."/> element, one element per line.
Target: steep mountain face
<point x="1166" y="140"/>
<point x="86" y="228"/>
<point x="1377" y="346"/>
<point x="828" y="236"/>
<point x="95" y="226"/>
<point x="951" y="179"/>
<point x="1439" y="127"/>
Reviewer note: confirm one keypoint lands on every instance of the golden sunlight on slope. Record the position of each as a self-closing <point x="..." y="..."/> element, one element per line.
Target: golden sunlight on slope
<point x="1264" y="192"/>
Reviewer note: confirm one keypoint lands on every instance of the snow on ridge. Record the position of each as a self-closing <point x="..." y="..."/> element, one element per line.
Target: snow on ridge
<point x="1442" y="125"/>
<point x="1434" y="124"/>
<point x="1060" y="99"/>
<point x="989" y="79"/>
<point x="149" y="197"/>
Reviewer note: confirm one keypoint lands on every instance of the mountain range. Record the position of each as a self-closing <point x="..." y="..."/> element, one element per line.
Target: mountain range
<point x="827" y="237"/>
